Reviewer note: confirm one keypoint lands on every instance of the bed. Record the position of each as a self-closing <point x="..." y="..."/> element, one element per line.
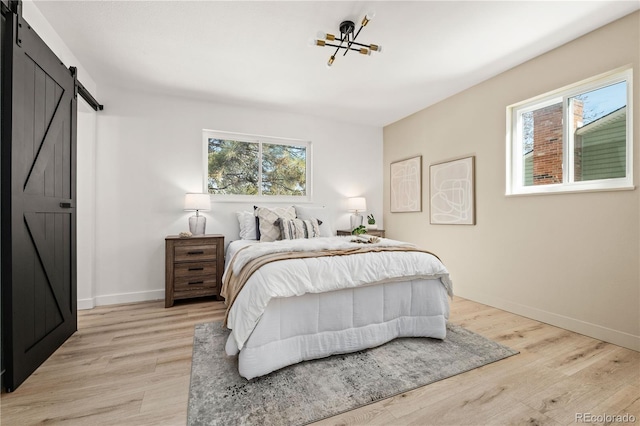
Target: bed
<point x="296" y="300"/>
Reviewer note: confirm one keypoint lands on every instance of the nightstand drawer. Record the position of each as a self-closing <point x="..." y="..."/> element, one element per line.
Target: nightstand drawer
<point x="193" y="269"/>
<point x="195" y="253"/>
<point x="195" y="282"/>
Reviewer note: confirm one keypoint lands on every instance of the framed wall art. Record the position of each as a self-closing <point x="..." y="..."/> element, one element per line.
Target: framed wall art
<point x="406" y="185"/>
<point x="452" y="192"/>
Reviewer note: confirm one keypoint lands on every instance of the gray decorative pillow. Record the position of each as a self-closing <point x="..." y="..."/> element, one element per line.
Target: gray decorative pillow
<point x="291" y="229"/>
<point x="267" y="217"/>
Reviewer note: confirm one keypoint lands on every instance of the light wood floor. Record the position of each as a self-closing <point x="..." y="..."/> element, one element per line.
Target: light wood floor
<point x="130" y="365"/>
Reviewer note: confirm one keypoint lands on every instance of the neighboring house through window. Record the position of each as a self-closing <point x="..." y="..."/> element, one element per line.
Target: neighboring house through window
<point x="576" y="138"/>
<point x="242" y="166"/>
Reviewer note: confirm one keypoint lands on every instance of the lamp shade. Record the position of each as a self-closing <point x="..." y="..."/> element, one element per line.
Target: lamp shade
<point x="197" y="202"/>
<point x="356" y="204"/>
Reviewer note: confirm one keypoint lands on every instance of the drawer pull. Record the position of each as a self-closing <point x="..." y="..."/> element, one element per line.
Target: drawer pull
<point x="196" y="269"/>
<point x="196" y="252"/>
<point x="196" y="282"/>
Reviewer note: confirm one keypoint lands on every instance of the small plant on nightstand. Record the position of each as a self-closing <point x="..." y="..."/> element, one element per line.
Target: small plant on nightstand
<point x="371" y="222"/>
<point x="359" y="230"/>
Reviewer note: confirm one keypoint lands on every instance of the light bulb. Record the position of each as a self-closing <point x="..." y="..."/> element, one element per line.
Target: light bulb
<point x="369" y="16"/>
<point x="321" y="35"/>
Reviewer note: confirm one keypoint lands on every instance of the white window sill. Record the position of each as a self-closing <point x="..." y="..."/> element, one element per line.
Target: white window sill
<point x="270" y="199"/>
<point x="576" y="187"/>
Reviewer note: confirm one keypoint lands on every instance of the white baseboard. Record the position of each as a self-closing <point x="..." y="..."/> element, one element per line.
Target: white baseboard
<point x="138" y="296"/>
<point x="84" y="304"/>
<point x="596" y="331"/>
<point x="115" y="299"/>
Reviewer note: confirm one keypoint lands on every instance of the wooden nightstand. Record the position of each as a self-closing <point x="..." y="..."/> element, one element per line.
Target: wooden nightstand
<point x="376" y="232"/>
<point x="193" y="267"/>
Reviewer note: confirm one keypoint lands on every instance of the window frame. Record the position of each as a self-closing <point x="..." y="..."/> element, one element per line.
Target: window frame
<point x="514" y="146"/>
<point x="259" y="139"/>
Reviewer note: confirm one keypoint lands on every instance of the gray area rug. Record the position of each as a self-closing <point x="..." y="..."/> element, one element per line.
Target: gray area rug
<point x="314" y="390"/>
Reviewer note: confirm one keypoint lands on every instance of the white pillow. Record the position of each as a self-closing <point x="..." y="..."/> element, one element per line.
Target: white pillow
<point x="291" y="229"/>
<point x="247" y="223"/>
<point x="308" y="212"/>
<point x="268" y="221"/>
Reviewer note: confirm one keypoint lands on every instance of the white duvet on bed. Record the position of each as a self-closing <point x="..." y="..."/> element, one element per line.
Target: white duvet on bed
<point x="317" y="325"/>
<point x="296" y="277"/>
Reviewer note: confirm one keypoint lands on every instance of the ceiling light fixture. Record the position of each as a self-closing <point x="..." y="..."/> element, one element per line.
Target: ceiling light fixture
<point x="347" y="39"/>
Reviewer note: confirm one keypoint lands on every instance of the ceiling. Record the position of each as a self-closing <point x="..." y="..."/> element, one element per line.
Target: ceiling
<point x="257" y="53"/>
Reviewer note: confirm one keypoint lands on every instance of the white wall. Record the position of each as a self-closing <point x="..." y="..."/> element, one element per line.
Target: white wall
<point x="571" y="260"/>
<point x="149" y="154"/>
<point x="85" y="204"/>
<point x="85" y="152"/>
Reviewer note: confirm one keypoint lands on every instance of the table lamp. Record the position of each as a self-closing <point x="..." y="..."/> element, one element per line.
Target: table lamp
<point x="356" y="204"/>
<point x="197" y="203"/>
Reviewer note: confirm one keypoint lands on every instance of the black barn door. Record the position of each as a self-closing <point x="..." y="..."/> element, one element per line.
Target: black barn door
<point x="38" y="208"/>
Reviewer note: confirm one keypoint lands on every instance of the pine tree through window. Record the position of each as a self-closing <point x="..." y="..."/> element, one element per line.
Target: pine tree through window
<point x="245" y="165"/>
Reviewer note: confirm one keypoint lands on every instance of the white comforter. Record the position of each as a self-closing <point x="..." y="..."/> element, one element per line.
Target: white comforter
<point x="295" y="277"/>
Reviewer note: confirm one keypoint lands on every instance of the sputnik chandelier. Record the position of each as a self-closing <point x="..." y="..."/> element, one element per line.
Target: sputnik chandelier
<point x="347" y="40"/>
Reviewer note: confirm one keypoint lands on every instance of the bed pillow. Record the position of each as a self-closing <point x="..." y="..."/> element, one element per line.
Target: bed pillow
<point x="269" y="226"/>
<point x="291" y="229"/>
<point x="247" y="222"/>
<point x="323" y="215"/>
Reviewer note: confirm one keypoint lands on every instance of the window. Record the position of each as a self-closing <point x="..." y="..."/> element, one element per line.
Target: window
<point x="574" y="139"/>
<point x="245" y="166"/>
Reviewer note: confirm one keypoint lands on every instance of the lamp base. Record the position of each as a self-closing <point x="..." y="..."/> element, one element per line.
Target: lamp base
<point x="356" y="220"/>
<point x="197" y="225"/>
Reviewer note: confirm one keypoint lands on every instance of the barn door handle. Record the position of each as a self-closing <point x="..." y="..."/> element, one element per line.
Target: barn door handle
<point x="65" y="205"/>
